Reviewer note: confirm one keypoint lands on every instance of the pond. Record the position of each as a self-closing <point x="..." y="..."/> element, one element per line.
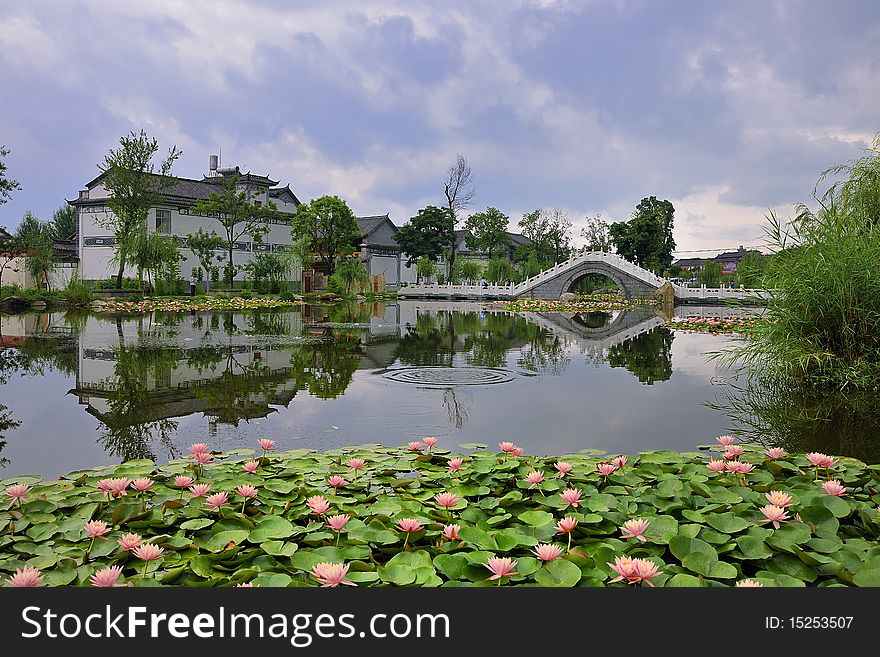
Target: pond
<point x="82" y="391"/>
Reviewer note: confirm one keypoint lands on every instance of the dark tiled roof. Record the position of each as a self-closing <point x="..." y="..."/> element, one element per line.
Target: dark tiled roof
<point x="4" y="234"/>
<point x="283" y="191"/>
<point x="690" y="262"/>
<point x="368" y="224"/>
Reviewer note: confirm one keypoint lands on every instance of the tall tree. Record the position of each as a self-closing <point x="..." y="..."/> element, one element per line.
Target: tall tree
<point x="596" y="234"/>
<point x="549" y="231"/>
<point x="7" y="185"/>
<point x="459" y="192"/>
<point x="204" y="245"/>
<point x="329" y="227"/>
<point x="134" y="187"/>
<point x="63" y="223"/>
<point x="238" y="215"/>
<point x="35" y="238"/>
<point x="488" y="232"/>
<point x="429" y="234"/>
<point x="646" y="238"/>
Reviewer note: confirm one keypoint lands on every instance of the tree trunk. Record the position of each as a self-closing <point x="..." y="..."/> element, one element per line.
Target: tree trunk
<point x="119" y="275"/>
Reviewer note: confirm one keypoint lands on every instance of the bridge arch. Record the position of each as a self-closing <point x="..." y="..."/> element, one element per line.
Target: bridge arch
<point x="570" y="282"/>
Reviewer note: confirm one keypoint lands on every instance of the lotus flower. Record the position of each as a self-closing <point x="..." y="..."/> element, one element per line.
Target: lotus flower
<point x="534" y="478"/>
<point x="716" y="465"/>
<point x="739" y="467"/>
<point x="563" y="467"/>
<point x="129" y="542"/>
<point x="409" y="525"/>
<point x="203" y="458"/>
<point x="447" y="500"/>
<point x="142" y="484"/>
<point x="635" y="529"/>
<point x="337" y="523"/>
<point x="749" y="583"/>
<point x="774" y="453"/>
<point x="566" y="525"/>
<point x="331" y="574"/>
<point x="114" y="486"/>
<point x="619" y="462"/>
<point x="415" y="446"/>
<point x="318" y="504"/>
<point x="183" y="481"/>
<point x="27" y="577"/>
<point x="198" y="448"/>
<point x="645" y="571"/>
<point x="516" y="451"/>
<point x="571" y="497"/>
<point x="356" y="464"/>
<point x="547" y="552"/>
<point x="606" y="468"/>
<point x="106" y="577"/>
<point x="834" y="487"/>
<point x="778" y="498"/>
<point x="199" y="490"/>
<point x="266" y="444"/>
<point x="18" y="492"/>
<point x="820" y="460"/>
<point x="248" y="492"/>
<point x="337" y="482"/>
<point x="624" y="568"/>
<point x="507" y="447"/>
<point x="96" y="528"/>
<point x="774" y="514"/>
<point x="251" y="466"/>
<point x="501" y="567"/>
<point x="455" y="465"/>
<point x="450" y="532"/>
<point x="430" y="442"/>
<point x="217" y="500"/>
<point x="725" y="440"/>
<point x="148" y="552"/>
<point x="247" y="585"/>
<point x="733" y="452"/>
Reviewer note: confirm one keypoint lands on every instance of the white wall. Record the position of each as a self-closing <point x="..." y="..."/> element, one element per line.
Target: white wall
<point x="15" y="272"/>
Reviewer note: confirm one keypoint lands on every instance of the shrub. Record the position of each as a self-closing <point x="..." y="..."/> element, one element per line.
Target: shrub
<point x="77" y="293"/>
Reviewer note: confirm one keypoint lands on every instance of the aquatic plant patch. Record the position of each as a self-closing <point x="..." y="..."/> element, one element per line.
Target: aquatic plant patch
<point x="370" y="515"/>
<point x="193" y="303"/>
<point x="717" y="325"/>
<point x="584" y="303"/>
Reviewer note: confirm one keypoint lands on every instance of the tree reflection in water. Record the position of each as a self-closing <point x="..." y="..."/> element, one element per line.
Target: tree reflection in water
<point x="648" y="356"/>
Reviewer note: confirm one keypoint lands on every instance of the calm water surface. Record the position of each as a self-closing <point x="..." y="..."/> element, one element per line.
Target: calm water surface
<point x="78" y="392"/>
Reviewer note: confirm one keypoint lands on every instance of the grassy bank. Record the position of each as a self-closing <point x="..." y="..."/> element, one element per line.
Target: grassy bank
<point x="411" y="517"/>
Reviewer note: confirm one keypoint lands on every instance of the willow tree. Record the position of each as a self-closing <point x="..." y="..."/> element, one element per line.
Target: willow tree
<point x="329" y="228"/>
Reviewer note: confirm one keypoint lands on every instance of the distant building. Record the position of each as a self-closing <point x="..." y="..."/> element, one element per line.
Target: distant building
<point x="728" y="259"/>
<point x="380" y="253"/>
<point x="462" y="250"/>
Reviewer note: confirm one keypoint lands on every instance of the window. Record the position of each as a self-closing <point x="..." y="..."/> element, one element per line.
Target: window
<point x="163" y="221"/>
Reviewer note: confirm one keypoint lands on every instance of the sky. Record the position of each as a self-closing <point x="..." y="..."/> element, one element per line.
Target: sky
<point x="727" y="109"/>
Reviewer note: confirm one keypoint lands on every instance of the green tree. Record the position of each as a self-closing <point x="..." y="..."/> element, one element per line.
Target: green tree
<point x="349" y="273"/>
<point x="429" y="234"/>
<point x="710" y="274"/>
<point x="596" y="234"/>
<point x="750" y="270"/>
<point x="7" y="185"/>
<point x="459" y="192"/>
<point x="488" y="232"/>
<point x="499" y="271"/>
<point x="466" y="271"/>
<point x="204" y="245"/>
<point x="329" y="228"/>
<point x="134" y="188"/>
<point x="646" y="238"/>
<point x="63" y="223"/>
<point x="238" y="215"/>
<point x="268" y="270"/>
<point x="648" y="356"/>
<point x="549" y="231"/>
<point x="153" y="253"/>
<point x="425" y="269"/>
<point x="35" y="239"/>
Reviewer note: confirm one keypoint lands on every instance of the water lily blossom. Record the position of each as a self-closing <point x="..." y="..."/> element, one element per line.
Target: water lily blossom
<point x="318" y="504"/>
<point x="199" y="490"/>
<point x="517" y="451"/>
<point x="17" y="492"/>
<point x="547" y="552"/>
<point x="740" y="467"/>
<point x="774" y="514"/>
<point x="606" y="468"/>
<point x="778" y="498"/>
<point x="716" y="465"/>
<point x="834" y="487"/>
<point x="624" y="568"/>
<point x="129" y="542"/>
<point x="820" y="460"/>
<point x="566" y="525"/>
<point x="331" y="574"/>
<point x="430" y="442"/>
<point x="733" y="452"/>
<point x="148" y="552"/>
<point x="97" y="529"/>
<point x="455" y="465"/>
<point x="563" y="467"/>
<point x="217" y="500"/>
<point x="619" y="461"/>
<point x="26" y="578"/>
<point x="450" y="532"/>
<point x="776" y="452"/>
<point x="356" y="464"/>
<point x="142" y="484"/>
<point x="266" y="444"/>
<point x="409" y="525"/>
<point x="337" y="482"/>
<point x="246" y="491"/>
<point x="106" y="577"/>
<point x="571" y="497"/>
<point x="115" y="487"/>
<point x="251" y="466"/>
<point x="203" y="458"/>
<point x="198" y="448"/>
<point x="501" y="567"/>
<point x="506" y="446"/>
<point x="534" y="478"/>
<point x="183" y="481"/>
<point x="748" y="584"/>
<point x="447" y="500"/>
<point x="645" y="571"/>
<point x="725" y="440"/>
<point x="415" y="446"/>
<point x="337" y="523"/>
<point x="635" y="529"/>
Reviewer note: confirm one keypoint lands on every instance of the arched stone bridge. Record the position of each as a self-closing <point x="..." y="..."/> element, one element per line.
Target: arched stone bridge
<point x="634" y="281"/>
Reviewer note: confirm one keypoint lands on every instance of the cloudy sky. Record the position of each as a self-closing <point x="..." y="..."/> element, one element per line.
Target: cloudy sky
<point x="724" y="108"/>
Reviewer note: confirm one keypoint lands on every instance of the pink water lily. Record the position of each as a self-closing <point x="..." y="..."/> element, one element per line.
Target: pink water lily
<point x="415" y="446"/>
<point x="566" y="525"/>
<point x="547" y="552"/>
<point x="356" y="464"/>
<point x="148" y="552"/>
<point x="198" y="448"/>
<point x="739" y="467"/>
<point x="571" y="497"/>
<point x="733" y="452"/>
<point x="450" y="532"/>
<point x="27" y="577"/>
<point x="748" y="584"/>
<point x="142" y="484"/>
<point x="318" y="504"/>
<point x="251" y="466"/>
<point x="606" y="468"/>
<point x="447" y="500"/>
<point x="725" y="440"/>
<point x="266" y="444"/>
<point x="409" y="525"/>
<point x="820" y="460"/>
<point x="246" y="491"/>
<point x="217" y="500"/>
<point x="114" y="486"/>
<point x="624" y="568"/>
<point x="776" y="452"/>
<point x="517" y="451"/>
<point x="129" y="542"/>
<point x="430" y="442"/>
<point x="455" y="465"/>
<point x="337" y="523"/>
<point x="203" y="458"/>
<point x="534" y="478"/>
<point x="635" y="529"/>
<point x="563" y="467"/>
<point x="645" y="571"/>
<point x="778" y="498"/>
<point x="199" y="490"/>
<point x="331" y="574"/>
<point x="506" y="446"/>
<point x="501" y="567"/>
<point x="774" y="514"/>
<point x="183" y="481"/>
<point x="17" y="492"/>
<point x="96" y="529"/>
<point x="716" y="465"/>
<point x="337" y="482"/>
<point x="619" y="461"/>
<point x="106" y="577"/>
<point x="834" y="487"/>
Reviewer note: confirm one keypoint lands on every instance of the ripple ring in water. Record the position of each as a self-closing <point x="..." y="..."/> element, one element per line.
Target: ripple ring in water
<point x="445" y="377"/>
